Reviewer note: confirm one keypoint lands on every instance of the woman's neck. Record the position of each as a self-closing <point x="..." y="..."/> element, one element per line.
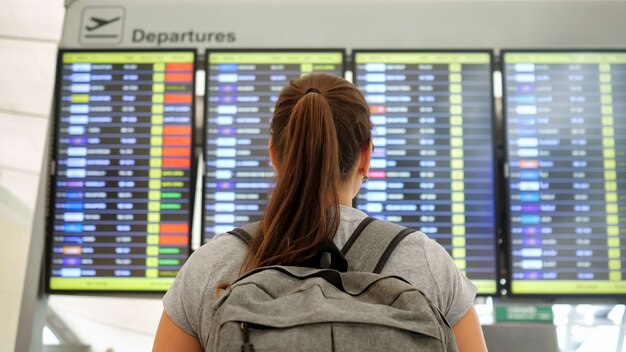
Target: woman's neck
<point x="347" y="192"/>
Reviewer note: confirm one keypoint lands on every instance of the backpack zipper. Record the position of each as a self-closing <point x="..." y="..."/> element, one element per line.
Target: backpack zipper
<point x="246" y="346"/>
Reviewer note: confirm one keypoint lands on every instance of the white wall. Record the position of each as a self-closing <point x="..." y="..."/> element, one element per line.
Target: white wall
<point x="360" y="24"/>
<point x="108" y="323"/>
<point x="29" y="32"/>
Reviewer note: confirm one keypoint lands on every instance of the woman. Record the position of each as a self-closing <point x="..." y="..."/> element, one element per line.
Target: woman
<point x="321" y="148"/>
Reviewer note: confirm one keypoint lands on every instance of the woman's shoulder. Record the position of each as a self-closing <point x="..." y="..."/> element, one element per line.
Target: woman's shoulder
<point x="195" y="286"/>
<point x="428" y="265"/>
<point x="219" y="246"/>
<point x="419" y="250"/>
<point x="218" y="259"/>
<point x="420" y="260"/>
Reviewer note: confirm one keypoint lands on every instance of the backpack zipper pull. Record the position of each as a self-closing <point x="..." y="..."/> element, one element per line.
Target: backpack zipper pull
<point x="246" y="346"/>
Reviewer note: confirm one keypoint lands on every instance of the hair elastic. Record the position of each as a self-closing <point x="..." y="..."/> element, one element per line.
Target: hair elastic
<point x="312" y="90"/>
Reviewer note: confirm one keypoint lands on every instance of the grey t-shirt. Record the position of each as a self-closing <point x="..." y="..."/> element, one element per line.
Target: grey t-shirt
<point x="418" y="259"/>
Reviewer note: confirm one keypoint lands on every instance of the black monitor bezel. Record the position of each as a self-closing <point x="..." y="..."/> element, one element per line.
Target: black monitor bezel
<point x="207" y="65"/>
<point x="507" y="180"/>
<point x="497" y="173"/>
<point x="53" y="159"/>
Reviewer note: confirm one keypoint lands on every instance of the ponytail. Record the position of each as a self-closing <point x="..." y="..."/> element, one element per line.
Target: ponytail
<point x="303" y="210"/>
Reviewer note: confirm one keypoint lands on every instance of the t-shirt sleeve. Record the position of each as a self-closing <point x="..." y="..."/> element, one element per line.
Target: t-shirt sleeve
<point x="456" y="290"/>
<point x="183" y="300"/>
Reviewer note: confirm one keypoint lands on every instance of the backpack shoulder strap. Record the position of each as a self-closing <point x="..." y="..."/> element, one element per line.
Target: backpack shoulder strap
<point x="370" y="246"/>
<point x="368" y="249"/>
<point x="246" y="232"/>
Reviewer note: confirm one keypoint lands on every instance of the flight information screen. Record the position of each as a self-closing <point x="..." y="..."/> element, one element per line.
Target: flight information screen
<point x="565" y="118"/>
<point x="120" y="195"/>
<point x="432" y="168"/>
<point x="242" y="89"/>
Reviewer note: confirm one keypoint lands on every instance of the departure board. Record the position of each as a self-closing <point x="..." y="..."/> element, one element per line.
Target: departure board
<point x="432" y="168"/>
<point x="121" y="192"/>
<point x="565" y="118"/>
<point x="242" y="89"/>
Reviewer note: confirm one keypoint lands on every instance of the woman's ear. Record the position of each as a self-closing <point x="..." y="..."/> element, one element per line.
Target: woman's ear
<point x="273" y="157"/>
<point x="365" y="156"/>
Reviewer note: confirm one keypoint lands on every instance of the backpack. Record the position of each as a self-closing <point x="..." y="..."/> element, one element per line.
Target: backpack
<point x="289" y="308"/>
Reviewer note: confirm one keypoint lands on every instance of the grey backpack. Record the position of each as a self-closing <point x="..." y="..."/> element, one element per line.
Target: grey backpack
<point x="288" y="308"/>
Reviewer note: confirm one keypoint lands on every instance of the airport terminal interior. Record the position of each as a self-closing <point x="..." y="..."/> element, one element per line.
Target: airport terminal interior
<point x="132" y="132"/>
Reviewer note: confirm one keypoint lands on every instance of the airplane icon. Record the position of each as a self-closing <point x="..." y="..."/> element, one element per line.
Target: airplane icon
<point x="100" y="22"/>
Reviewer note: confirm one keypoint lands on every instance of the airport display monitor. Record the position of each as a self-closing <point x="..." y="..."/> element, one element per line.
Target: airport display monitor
<point x="120" y="191"/>
<point x="242" y="89"/>
<point x="433" y="165"/>
<point x="565" y="122"/>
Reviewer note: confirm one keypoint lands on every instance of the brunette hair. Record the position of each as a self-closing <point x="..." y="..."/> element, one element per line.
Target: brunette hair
<point x="319" y="126"/>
